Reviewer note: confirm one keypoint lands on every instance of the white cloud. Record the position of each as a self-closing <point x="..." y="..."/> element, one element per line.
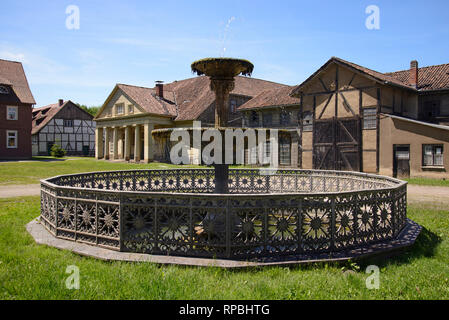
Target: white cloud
<point x="42" y="70"/>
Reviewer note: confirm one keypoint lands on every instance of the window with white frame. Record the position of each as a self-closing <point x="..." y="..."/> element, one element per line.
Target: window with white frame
<point x="284" y="151"/>
<point x="11" y="139"/>
<point x="264" y="154"/>
<point x="130" y="109"/>
<point x="432" y="155"/>
<point x="12" y="113"/>
<point x="370" y="118"/>
<point x="119" y="109"/>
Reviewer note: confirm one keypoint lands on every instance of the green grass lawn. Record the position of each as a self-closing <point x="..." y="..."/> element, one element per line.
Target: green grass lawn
<point x="28" y="172"/>
<point x="31" y="271"/>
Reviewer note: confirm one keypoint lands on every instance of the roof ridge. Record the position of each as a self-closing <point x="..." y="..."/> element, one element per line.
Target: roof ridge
<point x="375" y="71"/>
<point x="358" y="65"/>
<point x="51" y="105"/>
<point x="431" y="66"/>
<point x="131" y="85"/>
<point x="10" y="61"/>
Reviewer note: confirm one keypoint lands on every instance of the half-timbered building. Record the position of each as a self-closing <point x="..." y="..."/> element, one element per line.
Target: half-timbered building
<point x="65" y="124"/>
<point x="354" y="118"/>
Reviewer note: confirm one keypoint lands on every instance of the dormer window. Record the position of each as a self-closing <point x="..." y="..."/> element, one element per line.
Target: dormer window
<point x="4" y="90"/>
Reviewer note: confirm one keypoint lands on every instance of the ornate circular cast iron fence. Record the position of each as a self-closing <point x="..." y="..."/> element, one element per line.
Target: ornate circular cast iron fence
<point x="175" y="212"/>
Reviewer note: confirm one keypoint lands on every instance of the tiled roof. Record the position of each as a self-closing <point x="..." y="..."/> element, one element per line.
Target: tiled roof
<point x="43" y="115"/>
<point x="12" y="74"/>
<point x="382" y="77"/>
<point x="429" y="78"/>
<point x="194" y="96"/>
<point x="187" y="99"/>
<point x="146" y="98"/>
<point x="377" y="76"/>
<point x="275" y="97"/>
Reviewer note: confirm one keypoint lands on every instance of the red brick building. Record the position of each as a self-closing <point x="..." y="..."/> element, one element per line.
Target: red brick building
<point x="16" y="103"/>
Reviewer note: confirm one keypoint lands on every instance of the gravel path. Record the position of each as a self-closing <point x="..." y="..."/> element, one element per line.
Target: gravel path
<point x="9" y="191"/>
<point x="439" y="196"/>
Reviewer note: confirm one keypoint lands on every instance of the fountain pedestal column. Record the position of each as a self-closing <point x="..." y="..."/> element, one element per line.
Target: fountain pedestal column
<point x="222" y="87"/>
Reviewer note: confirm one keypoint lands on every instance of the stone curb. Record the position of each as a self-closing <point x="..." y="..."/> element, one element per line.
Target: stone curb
<point x="405" y="239"/>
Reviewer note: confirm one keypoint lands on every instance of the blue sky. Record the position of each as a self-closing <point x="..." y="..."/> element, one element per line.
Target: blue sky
<point x="138" y="42"/>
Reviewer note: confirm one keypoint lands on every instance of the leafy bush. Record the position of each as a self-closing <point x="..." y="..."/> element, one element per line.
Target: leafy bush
<point x="57" y="151"/>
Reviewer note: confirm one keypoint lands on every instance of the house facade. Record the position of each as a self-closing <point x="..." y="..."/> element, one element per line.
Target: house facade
<point x="65" y="124"/>
<point x="354" y="118"/>
<point x="16" y="103"/>
<point x="130" y="115"/>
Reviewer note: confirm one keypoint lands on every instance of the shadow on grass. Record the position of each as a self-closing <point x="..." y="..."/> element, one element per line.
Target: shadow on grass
<point x="425" y="246"/>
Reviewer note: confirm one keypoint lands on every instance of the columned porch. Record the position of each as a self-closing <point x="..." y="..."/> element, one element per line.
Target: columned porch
<point x="132" y="142"/>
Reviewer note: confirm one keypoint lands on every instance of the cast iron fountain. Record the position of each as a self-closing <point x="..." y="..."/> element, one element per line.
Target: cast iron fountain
<point x="290" y="216"/>
<point x="222" y="72"/>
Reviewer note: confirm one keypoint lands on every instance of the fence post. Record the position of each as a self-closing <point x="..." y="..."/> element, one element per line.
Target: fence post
<point x="333" y="231"/>
<point x="228" y="229"/>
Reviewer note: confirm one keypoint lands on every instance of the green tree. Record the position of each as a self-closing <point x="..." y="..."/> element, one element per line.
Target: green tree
<point x="93" y="110"/>
<point x="57" y="152"/>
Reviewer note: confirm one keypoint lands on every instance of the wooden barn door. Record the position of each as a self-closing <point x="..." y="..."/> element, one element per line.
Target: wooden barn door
<point x="336" y="144"/>
<point x="323" y="144"/>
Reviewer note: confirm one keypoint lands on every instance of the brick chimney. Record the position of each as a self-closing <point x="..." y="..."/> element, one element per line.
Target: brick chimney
<point x="160" y="89"/>
<point x="414" y="73"/>
<point x="61" y="102"/>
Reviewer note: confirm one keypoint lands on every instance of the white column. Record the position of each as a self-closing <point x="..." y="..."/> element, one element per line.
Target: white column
<point x="148" y="142"/>
<point x="99" y="147"/>
<point x="137" y="143"/>
<point x="127" y="143"/>
<point x="115" y="142"/>
<point x="106" y="143"/>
